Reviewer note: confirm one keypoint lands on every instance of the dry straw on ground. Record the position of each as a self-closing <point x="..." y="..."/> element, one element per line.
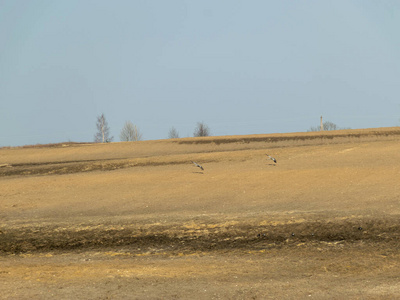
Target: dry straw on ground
<point x="136" y="220"/>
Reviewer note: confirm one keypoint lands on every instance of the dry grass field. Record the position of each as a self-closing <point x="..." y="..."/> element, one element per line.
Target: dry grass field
<point x="140" y="221"/>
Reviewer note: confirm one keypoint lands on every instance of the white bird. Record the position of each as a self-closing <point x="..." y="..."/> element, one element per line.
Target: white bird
<point x="197" y="165"/>
<point x="272" y="158"/>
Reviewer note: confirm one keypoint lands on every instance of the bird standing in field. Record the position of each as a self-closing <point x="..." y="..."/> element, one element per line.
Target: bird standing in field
<point x="197" y="165"/>
<point x="272" y="158"/>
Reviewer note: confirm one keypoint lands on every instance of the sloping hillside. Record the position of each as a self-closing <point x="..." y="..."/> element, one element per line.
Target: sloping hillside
<point x="330" y="191"/>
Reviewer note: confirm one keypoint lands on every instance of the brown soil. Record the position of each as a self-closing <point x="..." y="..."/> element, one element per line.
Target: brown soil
<point x="139" y="220"/>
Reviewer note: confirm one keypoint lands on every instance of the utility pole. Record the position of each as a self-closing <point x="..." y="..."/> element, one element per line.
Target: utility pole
<point x="322" y="125"/>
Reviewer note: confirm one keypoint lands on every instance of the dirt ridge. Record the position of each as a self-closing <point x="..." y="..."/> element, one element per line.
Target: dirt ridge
<point x="201" y="238"/>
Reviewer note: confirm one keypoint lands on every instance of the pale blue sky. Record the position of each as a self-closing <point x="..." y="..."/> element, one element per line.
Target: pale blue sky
<point x="242" y="67"/>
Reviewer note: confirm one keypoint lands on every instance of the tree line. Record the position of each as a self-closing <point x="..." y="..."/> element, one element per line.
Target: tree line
<point x="131" y="132"/>
<point x="326" y="126"/>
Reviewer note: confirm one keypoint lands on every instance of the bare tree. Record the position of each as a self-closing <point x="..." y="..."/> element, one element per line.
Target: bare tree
<point x="103" y="131"/>
<point x="138" y="135"/>
<point x="173" y="133"/>
<point x="201" y="130"/>
<point x="330" y="126"/>
<point x="326" y="126"/>
<point x="130" y="132"/>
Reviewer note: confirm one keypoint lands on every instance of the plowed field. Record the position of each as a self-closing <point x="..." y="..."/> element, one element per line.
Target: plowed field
<point x="140" y="221"/>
